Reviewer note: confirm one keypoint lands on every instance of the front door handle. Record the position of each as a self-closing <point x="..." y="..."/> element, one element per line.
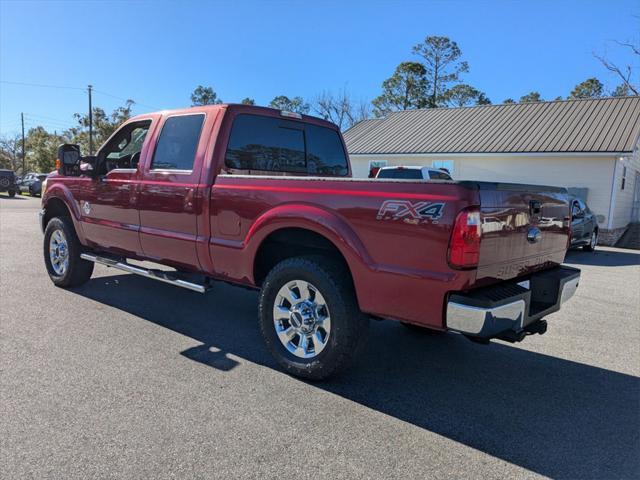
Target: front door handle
<point x="188" y="200"/>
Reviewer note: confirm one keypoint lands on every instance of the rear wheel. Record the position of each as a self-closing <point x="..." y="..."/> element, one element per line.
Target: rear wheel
<point x="309" y="317"/>
<point x="593" y="241"/>
<point x="12" y="193"/>
<point x="62" y="254"/>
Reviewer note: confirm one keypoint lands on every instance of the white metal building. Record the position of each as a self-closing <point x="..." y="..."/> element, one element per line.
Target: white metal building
<point x="589" y="146"/>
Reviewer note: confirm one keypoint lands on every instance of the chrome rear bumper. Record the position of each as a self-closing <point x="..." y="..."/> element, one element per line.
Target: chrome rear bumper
<point x="508" y="308"/>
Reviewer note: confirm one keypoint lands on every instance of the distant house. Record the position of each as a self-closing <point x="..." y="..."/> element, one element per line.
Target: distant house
<point x="589" y="146"/>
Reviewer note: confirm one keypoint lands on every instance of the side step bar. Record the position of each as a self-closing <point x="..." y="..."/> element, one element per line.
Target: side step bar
<point x="145" y="272"/>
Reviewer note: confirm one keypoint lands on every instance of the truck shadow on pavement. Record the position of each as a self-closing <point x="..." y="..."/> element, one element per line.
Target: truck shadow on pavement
<point x="551" y="416"/>
<point x="603" y="258"/>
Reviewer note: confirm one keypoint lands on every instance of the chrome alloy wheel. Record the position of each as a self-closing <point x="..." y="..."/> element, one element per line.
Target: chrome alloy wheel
<point x="301" y="319"/>
<point x="59" y="252"/>
<point x="594" y="240"/>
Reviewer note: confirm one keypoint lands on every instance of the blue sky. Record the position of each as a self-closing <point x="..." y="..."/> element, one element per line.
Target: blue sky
<point x="157" y="52"/>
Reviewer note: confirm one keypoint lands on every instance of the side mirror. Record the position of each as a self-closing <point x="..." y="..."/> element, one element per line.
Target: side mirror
<point x="69" y="155"/>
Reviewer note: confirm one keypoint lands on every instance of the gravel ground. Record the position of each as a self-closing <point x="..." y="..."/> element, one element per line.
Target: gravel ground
<point x="129" y="378"/>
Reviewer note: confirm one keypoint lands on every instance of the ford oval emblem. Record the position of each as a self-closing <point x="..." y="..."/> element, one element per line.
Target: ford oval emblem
<point x="534" y="235"/>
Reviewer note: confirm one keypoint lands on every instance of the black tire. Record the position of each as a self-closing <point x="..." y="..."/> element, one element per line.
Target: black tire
<point x="31" y="194"/>
<point x="591" y="246"/>
<point x="12" y="193"/>
<point x="348" y="323"/>
<point x="78" y="271"/>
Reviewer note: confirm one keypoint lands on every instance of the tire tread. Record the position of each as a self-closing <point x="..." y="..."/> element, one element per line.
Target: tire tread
<point x="353" y="330"/>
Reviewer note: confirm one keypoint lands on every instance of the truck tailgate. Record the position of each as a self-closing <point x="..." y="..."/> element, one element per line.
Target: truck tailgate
<point x="524" y="228"/>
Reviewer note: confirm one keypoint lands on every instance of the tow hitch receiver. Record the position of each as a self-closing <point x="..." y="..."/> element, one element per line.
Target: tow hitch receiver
<point x="539" y="327"/>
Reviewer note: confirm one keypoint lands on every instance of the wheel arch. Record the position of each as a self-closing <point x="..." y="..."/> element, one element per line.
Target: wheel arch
<point x="287" y="232"/>
<point x="288" y="242"/>
<point x="59" y="202"/>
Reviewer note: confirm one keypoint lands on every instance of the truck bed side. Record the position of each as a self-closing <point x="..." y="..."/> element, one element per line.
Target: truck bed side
<point x="390" y="249"/>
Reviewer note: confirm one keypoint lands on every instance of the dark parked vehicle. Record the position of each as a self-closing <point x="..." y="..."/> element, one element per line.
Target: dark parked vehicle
<point x="8" y="182"/>
<point x="24" y="185"/>
<point x="584" y="226"/>
<point x="35" y="188"/>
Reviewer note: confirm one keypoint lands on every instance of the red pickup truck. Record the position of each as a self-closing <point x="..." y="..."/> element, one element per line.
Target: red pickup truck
<point x="265" y="199"/>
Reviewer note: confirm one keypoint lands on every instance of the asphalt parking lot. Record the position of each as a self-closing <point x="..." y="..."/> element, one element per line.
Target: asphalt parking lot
<point x="129" y="378"/>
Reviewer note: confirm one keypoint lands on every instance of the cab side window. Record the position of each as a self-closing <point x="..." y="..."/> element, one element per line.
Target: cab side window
<point x="178" y="143"/>
<point x="124" y="148"/>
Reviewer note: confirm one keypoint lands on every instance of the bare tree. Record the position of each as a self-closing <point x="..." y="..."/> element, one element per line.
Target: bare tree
<point x="623" y="72"/>
<point x="341" y="108"/>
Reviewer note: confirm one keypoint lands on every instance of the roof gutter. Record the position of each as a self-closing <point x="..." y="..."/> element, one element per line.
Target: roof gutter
<point x="483" y="154"/>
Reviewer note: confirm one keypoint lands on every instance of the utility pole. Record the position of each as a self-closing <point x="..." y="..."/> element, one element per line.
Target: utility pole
<point x="24" y="171"/>
<point x="90" y="123"/>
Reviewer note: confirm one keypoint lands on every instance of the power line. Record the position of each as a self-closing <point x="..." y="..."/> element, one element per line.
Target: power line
<point x="36" y="122"/>
<point x="46" y="117"/>
<point x="42" y="85"/>
<point x="125" y="99"/>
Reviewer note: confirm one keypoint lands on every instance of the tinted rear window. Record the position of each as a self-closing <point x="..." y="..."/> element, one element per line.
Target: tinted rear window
<point x="406" y="173"/>
<point x="279" y="145"/>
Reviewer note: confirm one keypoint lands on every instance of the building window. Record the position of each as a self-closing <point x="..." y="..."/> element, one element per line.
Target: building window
<point x="444" y="165"/>
<point x="624" y="177"/>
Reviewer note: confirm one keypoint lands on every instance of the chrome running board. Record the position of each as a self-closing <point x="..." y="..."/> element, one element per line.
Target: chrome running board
<point x="161" y="276"/>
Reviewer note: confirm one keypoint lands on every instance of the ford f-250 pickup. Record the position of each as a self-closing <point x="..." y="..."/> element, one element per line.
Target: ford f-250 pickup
<point x="265" y="199"/>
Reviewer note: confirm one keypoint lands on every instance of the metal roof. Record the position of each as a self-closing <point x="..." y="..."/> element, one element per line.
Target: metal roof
<point x="589" y="125"/>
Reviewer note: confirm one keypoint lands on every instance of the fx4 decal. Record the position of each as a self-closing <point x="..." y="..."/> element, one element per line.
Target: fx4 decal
<point x="410" y="212"/>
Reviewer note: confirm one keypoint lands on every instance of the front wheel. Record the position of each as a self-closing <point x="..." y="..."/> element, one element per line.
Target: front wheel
<point x="593" y="241"/>
<point x="62" y="254"/>
<point x="309" y="317"/>
<point x="12" y="193"/>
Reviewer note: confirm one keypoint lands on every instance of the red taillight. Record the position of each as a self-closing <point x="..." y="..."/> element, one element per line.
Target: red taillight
<point x="464" y="246"/>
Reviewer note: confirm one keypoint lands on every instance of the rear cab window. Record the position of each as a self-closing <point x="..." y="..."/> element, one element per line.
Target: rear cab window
<point x="401" y="173"/>
<point x="260" y="144"/>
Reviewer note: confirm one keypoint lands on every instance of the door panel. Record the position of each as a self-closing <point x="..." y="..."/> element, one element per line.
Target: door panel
<point x="168" y="201"/>
<point x="108" y="203"/>
<point x="168" y="213"/>
<point x="108" y="212"/>
<point x="577" y="224"/>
